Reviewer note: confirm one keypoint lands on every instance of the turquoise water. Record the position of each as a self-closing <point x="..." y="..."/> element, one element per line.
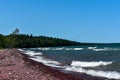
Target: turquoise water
<point x="100" y="60"/>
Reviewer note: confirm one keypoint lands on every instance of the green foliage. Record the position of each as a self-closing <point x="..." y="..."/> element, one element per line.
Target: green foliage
<point x="2" y="45"/>
<point x="27" y="41"/>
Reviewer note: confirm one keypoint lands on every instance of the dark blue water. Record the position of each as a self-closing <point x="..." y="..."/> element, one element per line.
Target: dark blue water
<point x="100" y="60"/>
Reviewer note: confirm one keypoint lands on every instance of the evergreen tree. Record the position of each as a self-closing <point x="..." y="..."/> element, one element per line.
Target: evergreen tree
<point x="16" y="40"/>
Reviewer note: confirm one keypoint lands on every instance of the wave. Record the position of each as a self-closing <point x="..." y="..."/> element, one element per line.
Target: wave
<point x="106" y="74"/>
<point x="68" y="49"/>
<point x="37" y="56"/>
<point x="76" y="66"/>
<point x="75" y="49"/>
<point x="92" y="47"/>
<point x="89" y="64"/>
<point x="78" y="48"/>
<point x="106" y="49"/>
<point x="43" y="48"/>
<point x="46" y="61"/>
<point x="61" y="48"/>
<point x="32" y="53"/>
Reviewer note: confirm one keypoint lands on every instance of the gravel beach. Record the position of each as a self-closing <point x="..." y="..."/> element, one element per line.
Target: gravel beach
<point x="16" y="66"/>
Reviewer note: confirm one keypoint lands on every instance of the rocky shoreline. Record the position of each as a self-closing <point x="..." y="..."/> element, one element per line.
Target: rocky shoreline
<point x="17" y="66"/>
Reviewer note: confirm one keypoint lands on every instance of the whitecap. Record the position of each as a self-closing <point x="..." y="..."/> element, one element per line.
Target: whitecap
<point x="106" y="74"/>
<point x="39" y="58"/>
<point x="43" y="48"/>
<point x="100" y="49"/>
<point x="46" y="61"/>
<point x="92" y="47"/>
<point x="78" y="48"/>
<point x="58" y="48"/>
<point x="32" y="53"/>
<point x="89" y="64"/>
<point x="105" y="49"/>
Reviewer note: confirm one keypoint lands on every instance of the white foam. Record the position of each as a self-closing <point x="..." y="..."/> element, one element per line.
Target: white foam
<point x="89" y="64"/>
<point x="58" y="48"/>
<point x="39" y="58"/>
<point x="76" y="65"/>
<point x="92" y="47"/>
<point x="46" y="62"/>
<point x="78" y="48"/>
<point x="51" y="48"/>
<point x="98" y="49"/>
<point x="20" y="50"/>
<point x="32" y="53"/>
<point x="105" y="49"/>
<point x="44" y="49"/>
<point x="107" y="74"/>
<point x="68" y="48"/>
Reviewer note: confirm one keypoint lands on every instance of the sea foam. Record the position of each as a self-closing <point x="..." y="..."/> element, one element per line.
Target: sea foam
<point x="46" y="62"/>
<point x="39" y="58"/>
<point x="76" y="66"/>
<point x="106" y="49"/>
<point x="60" y="48"/>
<point x="89" y="64"/>
<point x="78" y="48"/>
<point x="92" y="47"/>
<point x="106" y="74"/>
<point x="32" y="53"/>
<point x="44" y="48"/>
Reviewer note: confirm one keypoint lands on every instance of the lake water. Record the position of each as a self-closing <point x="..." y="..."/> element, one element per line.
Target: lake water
<point x="99" y="60"/>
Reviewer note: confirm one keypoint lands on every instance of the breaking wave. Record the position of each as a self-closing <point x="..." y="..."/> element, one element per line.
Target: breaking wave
<point x="78" y="48"/>
<point x="46" y="61"/>
<point x="60" y="48"/>
<point x="92" y="47"/>
<point x="106" y="74"/>
<point x="105" y="49"/>
<point x="89" y="64"/>
<point x="32" y="53"/>
<point x="37" y="56"/>
<point x="43" y="48"/>
<point x="76" y="66"/>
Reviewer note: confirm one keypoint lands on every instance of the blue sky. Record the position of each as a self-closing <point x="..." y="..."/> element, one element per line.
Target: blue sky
<point x="78" y="20"/>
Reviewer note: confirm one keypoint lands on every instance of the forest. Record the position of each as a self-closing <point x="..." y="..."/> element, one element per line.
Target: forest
<point x="16" y="40"/>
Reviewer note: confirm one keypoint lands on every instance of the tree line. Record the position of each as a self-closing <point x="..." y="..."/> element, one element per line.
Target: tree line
<point x="16" y="40"/>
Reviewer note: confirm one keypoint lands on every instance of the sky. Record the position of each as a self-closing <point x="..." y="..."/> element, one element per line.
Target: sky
<point x="95" y="21"/>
